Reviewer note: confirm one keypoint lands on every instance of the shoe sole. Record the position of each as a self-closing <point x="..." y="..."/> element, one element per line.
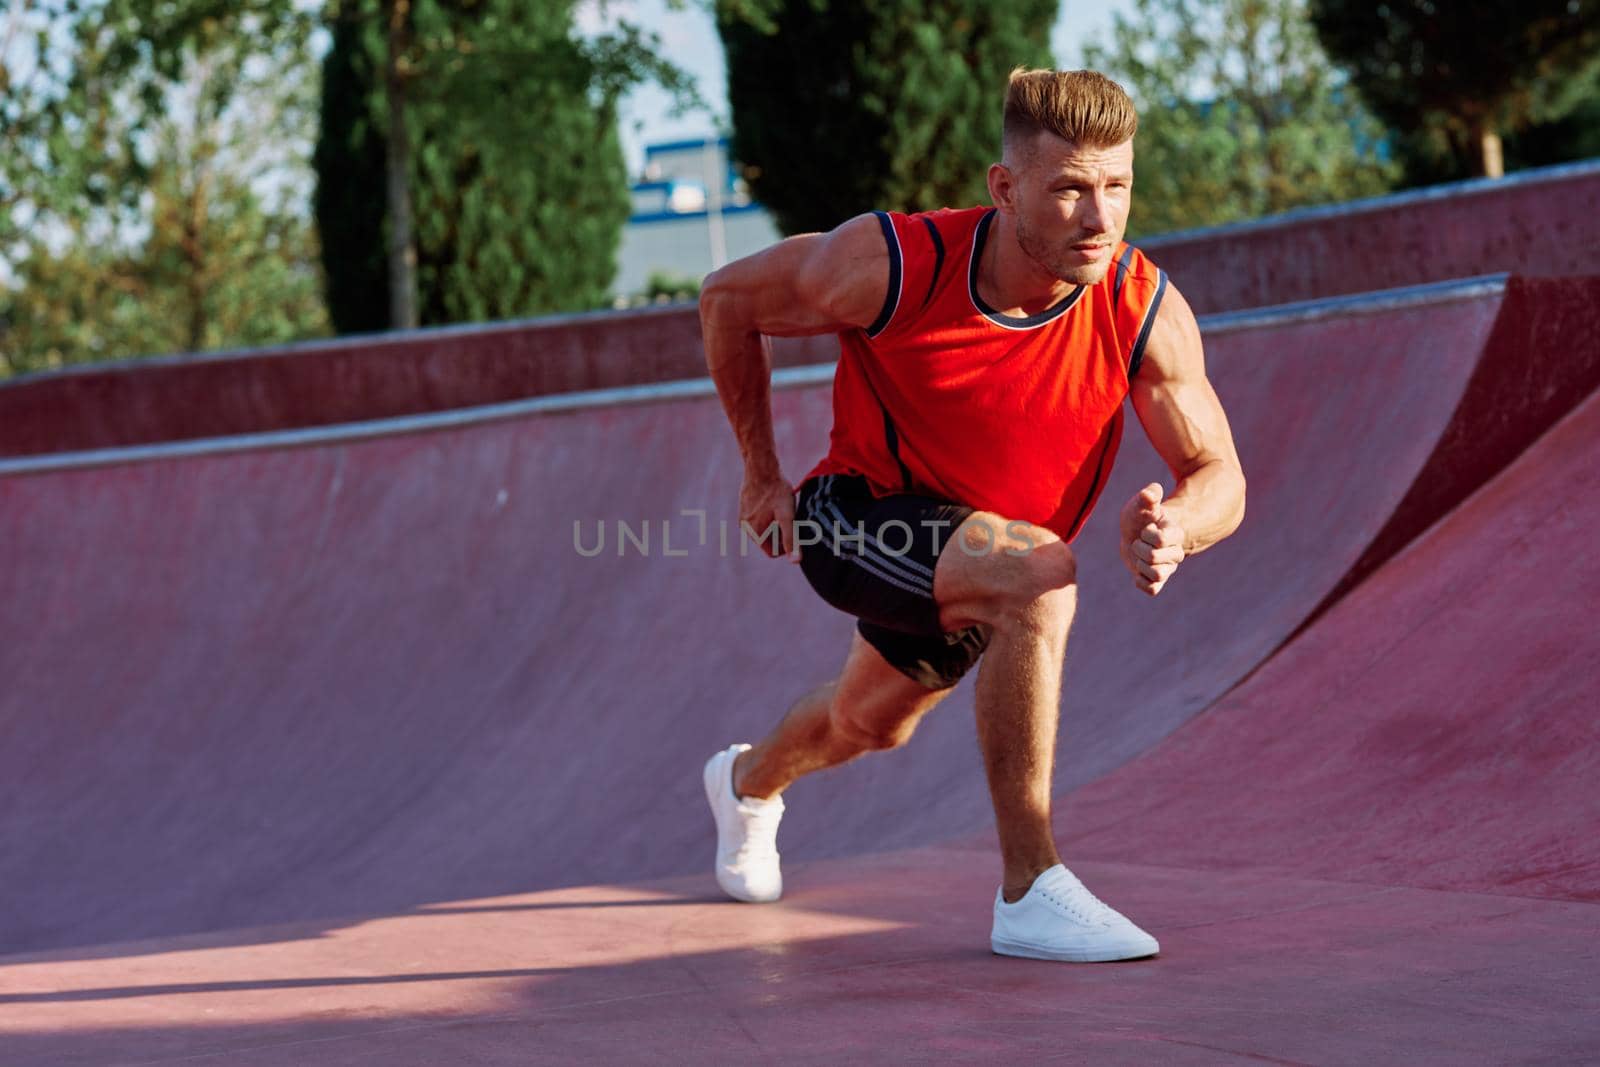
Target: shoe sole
<point x="1002" y="947"/>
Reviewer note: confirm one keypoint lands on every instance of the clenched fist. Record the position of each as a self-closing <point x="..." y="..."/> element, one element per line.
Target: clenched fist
<point x="1152" y="541"/>
<point x="766" y="508"/>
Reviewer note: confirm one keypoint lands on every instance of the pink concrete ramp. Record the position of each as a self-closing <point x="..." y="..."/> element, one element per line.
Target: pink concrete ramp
<point x="1439" y="728"/>
<point x="879" y="959"/>
<point x="349" y="671"/>
<point x="1541" y="222"/>
<point x="356" y="379"/>
<point x="1379" y="849"/>
<point x="1544" y="221"/>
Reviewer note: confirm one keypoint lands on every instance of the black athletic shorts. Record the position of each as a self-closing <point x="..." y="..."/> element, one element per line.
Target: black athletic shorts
<point x="873" y="558"/>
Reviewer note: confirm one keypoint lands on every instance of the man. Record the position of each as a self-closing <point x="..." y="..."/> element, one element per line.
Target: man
<point x="985" y="357"/>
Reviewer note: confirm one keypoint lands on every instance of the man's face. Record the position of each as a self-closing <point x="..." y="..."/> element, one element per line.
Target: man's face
<point x="1071" y="205"/>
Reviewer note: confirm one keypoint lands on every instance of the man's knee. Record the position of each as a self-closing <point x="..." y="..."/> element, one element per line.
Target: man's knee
<point x="870" y="733"/>
<point x="1050" y="613"/>
<point x="1008" y="572"/>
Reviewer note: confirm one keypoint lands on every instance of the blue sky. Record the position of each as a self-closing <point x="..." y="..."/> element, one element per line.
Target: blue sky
<point x="689" y="38"/>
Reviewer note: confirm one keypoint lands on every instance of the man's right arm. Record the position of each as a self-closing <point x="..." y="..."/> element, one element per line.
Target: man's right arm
<point x="810" y="284"/>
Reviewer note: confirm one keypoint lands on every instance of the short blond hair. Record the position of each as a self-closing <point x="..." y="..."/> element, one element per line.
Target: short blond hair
<point x="1081" y="106"/>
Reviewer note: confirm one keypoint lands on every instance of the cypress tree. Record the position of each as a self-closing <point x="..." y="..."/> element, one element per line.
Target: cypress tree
<point x="348" y="158"/>
<point x="842" y="107"/>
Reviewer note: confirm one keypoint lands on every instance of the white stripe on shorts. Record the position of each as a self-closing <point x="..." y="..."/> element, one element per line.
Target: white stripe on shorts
<point x="884" y="562"/>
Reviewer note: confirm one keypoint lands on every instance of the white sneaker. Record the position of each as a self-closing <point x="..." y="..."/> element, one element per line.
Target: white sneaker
<point x="1061" y="920"/>
<point x="747" y="834"/>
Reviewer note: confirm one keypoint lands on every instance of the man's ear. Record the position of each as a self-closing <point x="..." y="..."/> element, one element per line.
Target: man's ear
<point x="1002" y="187"/>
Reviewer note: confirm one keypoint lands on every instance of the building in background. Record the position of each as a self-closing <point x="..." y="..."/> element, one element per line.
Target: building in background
<point x="691" y="214"/>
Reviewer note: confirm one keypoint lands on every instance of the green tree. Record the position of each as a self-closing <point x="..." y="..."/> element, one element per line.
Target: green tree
<point x="1240" y="113"/>
<point x="1572" y="136"/>
<point x="505" y="187"/>
<point x="350" y="154"/>
<point x="227" y="272"/>
<point x="1453" y="80"/>
<point x="842" y="107"/>
<point x="149" y="203"/>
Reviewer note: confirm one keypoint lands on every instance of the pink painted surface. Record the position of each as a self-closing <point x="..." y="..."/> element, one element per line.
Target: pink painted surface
<point x="1540" y="222"/>
<point x="880" y="959"/>
<point x="353" y="676"/>
<point x="1544" y="358"/>
<point x="356" y="379"/>
<point x="1439" y="728"/>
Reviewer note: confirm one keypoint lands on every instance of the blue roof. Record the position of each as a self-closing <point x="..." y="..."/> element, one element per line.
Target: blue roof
<point x="680" y="216"/>
<point x="679" y="146"/>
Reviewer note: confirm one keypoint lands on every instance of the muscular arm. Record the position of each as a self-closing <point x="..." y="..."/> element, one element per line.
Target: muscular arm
<point x="809" y="284"/>
<point x="1185" y="422"/>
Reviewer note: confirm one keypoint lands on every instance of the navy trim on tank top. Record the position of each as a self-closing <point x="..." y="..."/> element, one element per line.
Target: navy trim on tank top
<point x="1122" y="273"/>
<point x="1022" y="322"/>
<point x="1137" y="356"/>
<point x="1099" y="472"/>
<point x="938" y="258"/>
<point x="891" y="299"/>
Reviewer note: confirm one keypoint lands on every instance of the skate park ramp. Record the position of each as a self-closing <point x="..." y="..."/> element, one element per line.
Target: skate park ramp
<point x="333" y="672"/>
<point x="1437" y="729"/>
<point x="1378" y="848"/>
<point x="356" y="378"/>
<point x="1544" y="221"/>
<point x="1541" y="222"/>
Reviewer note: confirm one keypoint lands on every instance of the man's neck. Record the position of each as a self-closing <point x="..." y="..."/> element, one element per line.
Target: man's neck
<point x="1009" y="280"/>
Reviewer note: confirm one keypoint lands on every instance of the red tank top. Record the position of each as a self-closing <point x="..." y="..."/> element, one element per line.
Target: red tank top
<point x="946" y="397"/>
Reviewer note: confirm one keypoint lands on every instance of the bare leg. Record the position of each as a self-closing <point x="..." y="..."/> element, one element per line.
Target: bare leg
<point x="1028" y="600"/>
<point x="1019" y="688"/>
<point x="870" y="706"/>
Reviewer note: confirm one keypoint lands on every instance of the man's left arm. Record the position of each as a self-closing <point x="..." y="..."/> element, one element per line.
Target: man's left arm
<point x="1185" y="422"/>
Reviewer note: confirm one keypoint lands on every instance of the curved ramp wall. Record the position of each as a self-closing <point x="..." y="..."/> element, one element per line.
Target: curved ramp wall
<point x="1435" y="729"/>
<point x="356" y="379"/>
<point x="1538" y="222"/>
<point x="1543" y="222"/>
<point x="349" y="670"/>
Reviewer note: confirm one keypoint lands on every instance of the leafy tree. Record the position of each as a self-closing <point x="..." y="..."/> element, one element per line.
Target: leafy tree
<point x="1453" y="80"/>
<point x="237" y="274"/>
<point x="841" y="107"/>
<point x="148" y="208"/>
<point x="1574" y="135"/>
<point x="664" y="286"/>
<point x="1240" y="113"/>
<point x="84" y="82"/>
<point x="492" y="128"/>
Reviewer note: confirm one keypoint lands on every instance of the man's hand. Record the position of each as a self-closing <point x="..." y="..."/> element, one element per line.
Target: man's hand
<point x="1185" y="422"/>
<point x="1152" y="540"/>
<point x="803" y="286"/>
<point x="765" y="502"/>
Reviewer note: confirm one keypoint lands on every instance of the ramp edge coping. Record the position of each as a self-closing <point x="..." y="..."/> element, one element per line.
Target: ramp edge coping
<point x="313" y="346"/>
<point x="1154" y="243"/>
<point x="1471" y="187"/>
<point x="1410" y="296"/>
<point x="688" y="388"/>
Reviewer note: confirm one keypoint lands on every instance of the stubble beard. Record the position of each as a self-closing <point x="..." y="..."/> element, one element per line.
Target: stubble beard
<point x="1052" y="262"/>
